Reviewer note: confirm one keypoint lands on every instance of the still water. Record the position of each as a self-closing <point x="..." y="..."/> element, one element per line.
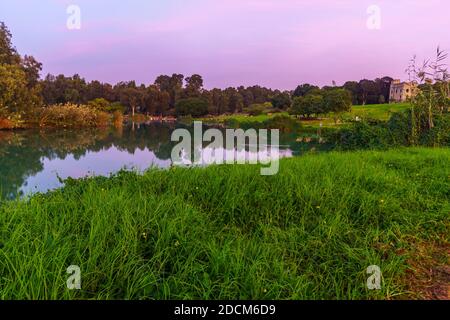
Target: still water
<point x="36" y="160"/>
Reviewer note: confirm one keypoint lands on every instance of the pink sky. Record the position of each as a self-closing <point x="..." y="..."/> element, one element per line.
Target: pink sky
<point x="275" y="43"/>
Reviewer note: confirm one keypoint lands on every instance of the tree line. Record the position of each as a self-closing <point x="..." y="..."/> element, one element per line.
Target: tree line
<point x="168" y="95"/>
<point x="22" y="90"/>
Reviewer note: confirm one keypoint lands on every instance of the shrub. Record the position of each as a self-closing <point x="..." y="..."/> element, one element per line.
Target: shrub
<point x="284" y="123"/>
<point x="99" y="104"/>
<point x="255" y="110"/>
<point x="6" y="124"/>
<point x="116" y="106"/>
<point x="395" y="132"/>
<point x="361" y="135"/>
<point x="258" y="109"/>
<point x="70" y="115"/>
<point x="117" y="118"/>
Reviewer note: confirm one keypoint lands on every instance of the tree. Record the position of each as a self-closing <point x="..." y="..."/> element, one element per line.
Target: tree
<point x="234" y="99"/>
<point x="219" y="101"/>
<point x="354" y="88"/>
<point x="236" y="103"/>
<point x="32" y="70"/>
<point x="303" y="90"/>
<point x="384" y="87"/>
<point x="247" y="96"/>
<point x="172" y="85"/>
<point x="163" y="104"/>
<point x="307" y="105"/>
<point x="281" y="101"/>
<point x="129" y="95"/>
<point x="337" y="101"/>
<point x="195" y="107"/>
<point x="15" y="96"/>
<point x="194" y="86"/>
<point x="19" y="90"/>
<point x="8" y="54"/>
<point x="369" y="93"/>
<point x="100" y="104"/>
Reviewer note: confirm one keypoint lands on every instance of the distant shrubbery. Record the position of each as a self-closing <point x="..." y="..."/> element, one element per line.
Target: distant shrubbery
<point x="426" y="123"/>
<point x="195" y="107"/>
<point x="284" y="123"/>
<point x="70" y="115"/>
<point x="395" y="132"/>
<point x="317" y="102"/>
<point x="104" y="105"/>
<point x="258" y="109"/>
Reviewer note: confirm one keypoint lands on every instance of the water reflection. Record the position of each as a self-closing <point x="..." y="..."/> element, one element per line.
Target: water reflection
<point x="32" y="160"/>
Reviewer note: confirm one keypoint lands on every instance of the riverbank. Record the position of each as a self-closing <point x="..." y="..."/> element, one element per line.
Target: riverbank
<point x="381" y="112"/>
<point x="78" y="116"/>
<point x="225" y="232"/>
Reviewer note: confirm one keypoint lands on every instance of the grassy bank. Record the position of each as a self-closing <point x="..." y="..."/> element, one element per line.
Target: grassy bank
<point x="376" y="111"/>
<point x="309" y="232"/>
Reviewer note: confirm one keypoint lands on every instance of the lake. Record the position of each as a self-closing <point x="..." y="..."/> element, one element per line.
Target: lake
<point x="36" y="160"/>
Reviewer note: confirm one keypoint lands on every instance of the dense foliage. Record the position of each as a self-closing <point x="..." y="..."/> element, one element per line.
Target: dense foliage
<point x="19" y="79"/>
<point x="195" y="107"/>
<point x="22" y="90"/>
<point x="317" y="102"/>
<point x="427" y="122"/>
<point x="70" y="115"/>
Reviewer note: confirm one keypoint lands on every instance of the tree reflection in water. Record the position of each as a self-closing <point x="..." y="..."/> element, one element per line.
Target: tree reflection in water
<point x="32" y="160"/>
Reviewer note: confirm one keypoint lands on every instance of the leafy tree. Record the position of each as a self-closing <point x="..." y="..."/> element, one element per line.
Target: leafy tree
<point x="303" y="90"/>
<point x="308" y="105"/>
<point x="337" y="101"/>
<point x="172" y="85"/>
<point x="384" y="88"/>
<point x="235" y="100"/>
<point x="100" y="104"/>
<point x="195" y="107"/>
<point x="354" y="88"/>
<point x="116" y="107"/>
<point x="15" y="96"/>
<point x="8" y="54"/>
<point x="219" y="101"/>
<point x="19" y="90"/>
<point x="129" y="95"/>
<point x="194" y="86"/>
<point x="281" y="101"/>
<point x="163" y="104"/>
<point x="32" y="70"/>
<point x="369" y="92"/>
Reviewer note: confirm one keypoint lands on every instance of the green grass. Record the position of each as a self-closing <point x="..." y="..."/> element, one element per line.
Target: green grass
<point x="242" y="118"/>
<point x="378" y="111"/>
<point x="375" y="111"/>
<point x="226" y="232"/>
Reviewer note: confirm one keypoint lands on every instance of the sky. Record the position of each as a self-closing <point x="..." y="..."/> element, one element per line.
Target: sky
<point x="274" y="43"/>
